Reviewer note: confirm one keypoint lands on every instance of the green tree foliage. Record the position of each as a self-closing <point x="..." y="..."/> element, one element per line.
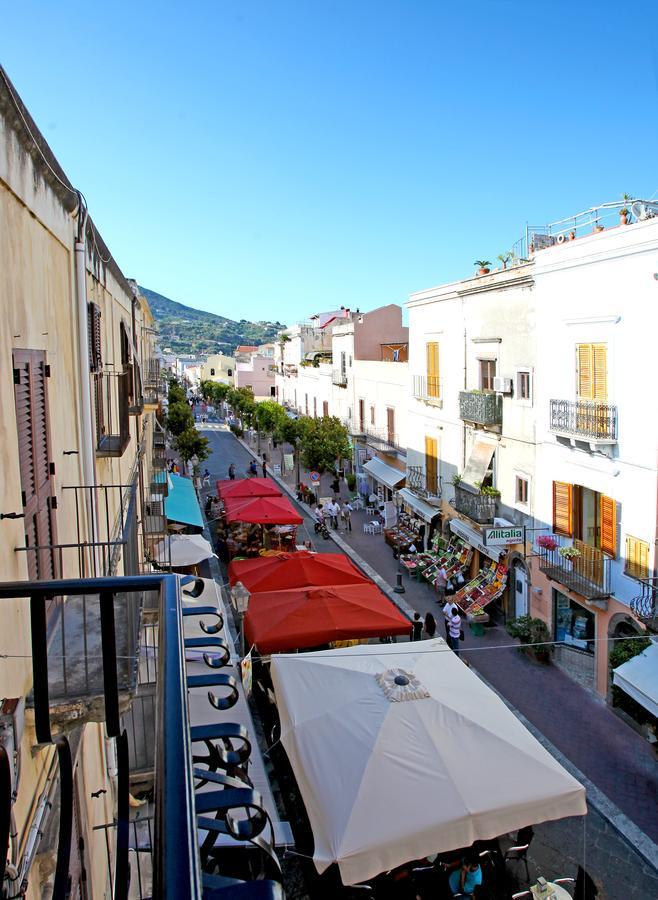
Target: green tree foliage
<point x="324" y="442"/>
<point x="621" y="653"/>
<point x="243" y="404"/>
<point x="179" y="418"/>
<point x="176" y="393"/>
<point x="532" y="632"/>
<point x="214" y="391"/>
<point x="191" y="443"/>
<point x="269" y="416"/>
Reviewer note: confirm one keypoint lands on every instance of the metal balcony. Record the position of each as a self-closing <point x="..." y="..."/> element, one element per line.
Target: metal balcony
<point x="481" y="508"/>
<point x="481" y="408"/>
<point x="339" y="378"/>
<point x="645" y="605"/>
<point x="382" y="439"/>
<point x="584" y="420"/>
<point x="587" y="575"/>
<point x="416" y="481"/>
<point x="428" y="389"/>
<point x="112" y="411"/>
<point x="136" y="407"/>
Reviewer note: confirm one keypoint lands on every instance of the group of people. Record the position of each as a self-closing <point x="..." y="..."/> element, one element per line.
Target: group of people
<point x="331" y="513"/>
<point x="452" y="621"/>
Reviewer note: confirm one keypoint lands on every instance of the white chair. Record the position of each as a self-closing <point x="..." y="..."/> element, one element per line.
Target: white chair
<point x="367" y="528"/>
<point x="376" y="527"/>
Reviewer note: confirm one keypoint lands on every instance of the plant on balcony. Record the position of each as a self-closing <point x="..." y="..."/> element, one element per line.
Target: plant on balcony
<point x="486" y="490"/>
<point x="623" y="212"/>
<point x="504" y="258"/>
<point x="483" y="265"/>
<point x="569" y="553"/>
<point x="456" y="479"/>
<point x="547" y="542"/>
<point x="532" y="632"/>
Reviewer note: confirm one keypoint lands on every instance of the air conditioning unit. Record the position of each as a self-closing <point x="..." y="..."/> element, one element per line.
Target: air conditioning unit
<point x="502" y="385"/>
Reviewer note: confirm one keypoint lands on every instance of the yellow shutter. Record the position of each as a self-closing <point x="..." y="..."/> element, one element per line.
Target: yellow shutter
<point x="584" y="362"/>
<point x="562" y="508"/>
<point x="432" y="354"/>
<point x="608" y="526"/>
<point x="592" y="362"/>
<point x="637" y="557"/>
<point x="431" y="455"/>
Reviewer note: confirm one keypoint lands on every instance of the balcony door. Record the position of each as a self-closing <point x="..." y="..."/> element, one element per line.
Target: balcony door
<point x="362" y="416"/>
<point x="431" y="465"/>
<point x="390" y="425"/>
<point x="433" y="378"/>
<point x="592" y="388"/>
<point x="487" y="374"/>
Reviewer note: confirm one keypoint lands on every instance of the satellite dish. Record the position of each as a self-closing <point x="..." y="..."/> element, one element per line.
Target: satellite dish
<point x="644" y="210"/>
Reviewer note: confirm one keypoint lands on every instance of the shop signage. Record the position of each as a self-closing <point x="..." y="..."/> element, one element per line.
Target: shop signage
<point x="502" y="537"/>
<point x="473" y="538"/>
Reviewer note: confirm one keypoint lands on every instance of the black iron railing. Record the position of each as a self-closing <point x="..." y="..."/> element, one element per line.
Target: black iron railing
<point x="481" y="408"/>
<point x="645" y="605"/>
<point x="588" y="419"/>
<point x="417" y="482"/>
<point x="588" y="573"/>
<point x="479" y="507"/>
<point x="382" y="439"/>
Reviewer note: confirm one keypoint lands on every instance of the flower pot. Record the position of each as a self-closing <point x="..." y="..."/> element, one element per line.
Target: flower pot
<point x="598" y="228"/>
<point x="572" y="235"/>
<point x="623" y="218"/>
<point x="484" y="271"/>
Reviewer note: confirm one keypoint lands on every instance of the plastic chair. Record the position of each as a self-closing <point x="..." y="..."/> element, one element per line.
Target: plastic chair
<point x="518" y="853"/>
<point x="585" y="888"/>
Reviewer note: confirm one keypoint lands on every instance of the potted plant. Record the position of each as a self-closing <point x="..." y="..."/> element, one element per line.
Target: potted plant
<point x="483" y="265"/>
<point x="572" y="235"/>
<point x="547" y="542"/>
<point x="456" y="479"/>
<point x="570" y="554"/>
<point x="504" y="258"/>
<point x="598" y="228"/>
<point x="624" y="214"/>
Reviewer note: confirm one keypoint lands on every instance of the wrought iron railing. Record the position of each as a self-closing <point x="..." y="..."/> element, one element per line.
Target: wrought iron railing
<point x="645" y="605"/>
<point x="589" y="419"/>
<point x="427" y="388"/>
<point x="479" y="507"/>
<point x="339" y="378"/>
<point x="417" y="482"/>
<point x="588" y="573"/>
<point x="112" y="411"/>
<point x="382" y="438"/>
<point x="481" y="408"/>
<point x="136" y="407"/>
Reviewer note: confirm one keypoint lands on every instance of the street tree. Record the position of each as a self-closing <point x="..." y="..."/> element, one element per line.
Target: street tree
<point x="324" y="442"/>
<point x="176" y="393"/>
<point x="179" y="418"/>
<point x="191" y="443"/>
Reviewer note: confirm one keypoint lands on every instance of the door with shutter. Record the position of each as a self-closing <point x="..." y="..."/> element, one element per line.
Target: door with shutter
<point x="31" y="400"/>
<point x="592" y="381"/>
<point x="432" y="353"/>
<point x="562" y="508"/>
<point x="608" y="520"/>
<point x="431" y="466"/>
<point x="390" y="424"/>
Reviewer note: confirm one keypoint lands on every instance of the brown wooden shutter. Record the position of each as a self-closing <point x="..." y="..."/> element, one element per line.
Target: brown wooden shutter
<point x="325" y="407"/>
<point x="608" y="526"/>
<point x="95" y="344"/>
<point x="431" y="454"/>
<point x="562" y="508"/>
<point x="390" y="423"/>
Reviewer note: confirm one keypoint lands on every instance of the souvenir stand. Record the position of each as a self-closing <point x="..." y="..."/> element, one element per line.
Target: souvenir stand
<point x="487" y="586"/>
<point x="405" y="533"/>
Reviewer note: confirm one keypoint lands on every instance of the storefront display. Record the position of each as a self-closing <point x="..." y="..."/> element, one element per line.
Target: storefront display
<point x="454" y="556"/>
<point x="488" y="585"/>
<point x="405" y="534"/>
<point x="574" y="624"/>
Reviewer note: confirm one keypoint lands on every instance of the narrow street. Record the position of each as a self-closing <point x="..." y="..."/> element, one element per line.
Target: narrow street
<point x="611" y="755"/>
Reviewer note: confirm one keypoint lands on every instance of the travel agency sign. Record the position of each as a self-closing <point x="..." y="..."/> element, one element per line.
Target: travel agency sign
<point x="504" y="536"/>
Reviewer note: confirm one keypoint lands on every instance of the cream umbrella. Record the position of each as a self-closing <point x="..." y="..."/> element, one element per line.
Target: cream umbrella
<point x="402" y="753"/>
<point x="182" y="550"/>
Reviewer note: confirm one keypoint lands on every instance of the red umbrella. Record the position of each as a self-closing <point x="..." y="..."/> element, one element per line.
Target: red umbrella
<point x="307" y="617"/>
<point x="248" y="487"/>
<point x="261" y="511"/>
<point x="295" y="570"/>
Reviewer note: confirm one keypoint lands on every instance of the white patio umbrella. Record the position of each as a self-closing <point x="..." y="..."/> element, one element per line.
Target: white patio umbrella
<point x="393" y="771"/>
<point x="182" y="550"/>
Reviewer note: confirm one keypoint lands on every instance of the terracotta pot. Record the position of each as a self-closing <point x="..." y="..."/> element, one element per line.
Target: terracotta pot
<point x="598" y="229"/>
<point x="572" y="235"/>
<point x="623" y="218"/>
<point x="484" y="271"/>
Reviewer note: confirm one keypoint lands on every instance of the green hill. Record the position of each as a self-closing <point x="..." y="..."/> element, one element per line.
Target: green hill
<point x="192" y="331"/>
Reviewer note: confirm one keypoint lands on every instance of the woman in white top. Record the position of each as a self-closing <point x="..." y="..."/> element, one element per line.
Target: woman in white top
<point x="454" y="630"/>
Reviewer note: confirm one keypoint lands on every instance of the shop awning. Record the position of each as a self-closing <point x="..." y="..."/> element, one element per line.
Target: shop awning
<point x="261" y="511"/>
<point x="639" y="678"/>
<point x="385" y="474"/>
<point x="248" y="487"/>
<point x="474" y="538"/>
<point x="425" y="510"/>
<point x="478" y="462"/>
<point x="181" y="505"/>
<point x="295" y="570"/>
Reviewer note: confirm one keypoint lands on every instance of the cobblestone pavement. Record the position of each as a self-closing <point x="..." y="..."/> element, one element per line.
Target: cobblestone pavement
<point x="606" y="750"/>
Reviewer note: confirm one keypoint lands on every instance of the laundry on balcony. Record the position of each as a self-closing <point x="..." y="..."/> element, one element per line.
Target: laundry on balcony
<point x="386" y="475"/>
<point x="182" y="506"/>
<point x="638" y="677"/>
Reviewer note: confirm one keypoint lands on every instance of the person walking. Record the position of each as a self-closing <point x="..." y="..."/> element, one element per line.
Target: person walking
<point x="346" y="514"/>
<point x="231" y="472"/>
<point x="335" y="485"/>
<point x="206" y="478"/>
<point x="264" y="466"/>
<point x="253" y="468"/>
<point x="447" y="615"/>
<point x="430" y="625"/>
<point x="318" y="515"/>
<point x="417" y="627"/>
<point x="441" y="583"/>
<point x="335" y="513"/>
<point x="455" y="630"/>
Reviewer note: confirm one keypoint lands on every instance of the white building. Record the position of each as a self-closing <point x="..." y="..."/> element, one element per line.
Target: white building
<point x="218" y="367"/>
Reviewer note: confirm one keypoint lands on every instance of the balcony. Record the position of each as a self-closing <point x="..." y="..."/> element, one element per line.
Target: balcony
<point x="383" y="440"/>
<point x="428" y="389"/>
<point x="416" y="481"/>
<point x="587" y="574"/>
<point x="481" y="508"/>
<point x="590" y="421"/>
<point x="645" y="605"/>
<point x="207" y="830"/>
<point x="136" y="407"/>
<point x="481" y="408"/>
<point x="112" y="408"/>
<point x="339" y="378"/>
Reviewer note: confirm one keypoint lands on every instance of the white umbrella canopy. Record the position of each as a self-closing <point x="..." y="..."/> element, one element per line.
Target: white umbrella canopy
<point x="182" y="550"/>
<point x="391" y="773"/>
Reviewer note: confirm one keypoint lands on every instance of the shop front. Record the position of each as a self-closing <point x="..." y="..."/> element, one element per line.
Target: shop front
<point x="384" y="479"/>
<point x="574" y="631"/>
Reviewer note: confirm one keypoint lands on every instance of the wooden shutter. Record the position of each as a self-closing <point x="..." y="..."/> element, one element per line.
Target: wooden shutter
<point x="390" y="423"/>
<point x="562" y="508"/>
<point x="592" y="362"/>
<point x="432" y="355"/>
<point x="95" y="345"/>
<point x="431" y="465"/>
<point x="325" y="408"/>
<point x="608" y="510"/>
<point x="637" y="557"/>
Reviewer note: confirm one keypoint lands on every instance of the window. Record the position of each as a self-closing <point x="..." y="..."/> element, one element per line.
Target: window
<point x="637" y="558"/>
<point x="390" y="424"/>
<point x="325" y="408"/>
<point x="372" y="415"/>
<point x="487" y="374"/>
<point x="362" y="415"/>
<point x="229" y="372"/>
<point x="431" y="465"/>
<point x="521" y="489"/>
<point x="212" y="372"/>
<point x="94" y="326"/>
<point x="343" y="366"/>
<point x="585" y="515"/>
<point x="562" y="508"/>
<point x="432" y="358"/>
<point x="274" y="392"/>
<point x="523" y="384"/>
<point x="592" y="371"/>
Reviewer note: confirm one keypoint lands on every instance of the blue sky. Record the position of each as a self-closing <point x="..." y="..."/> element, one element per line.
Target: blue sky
<point x="266" y="160"/>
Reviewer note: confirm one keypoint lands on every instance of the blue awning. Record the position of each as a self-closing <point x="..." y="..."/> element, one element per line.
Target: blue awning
<point x="182" y="505"/>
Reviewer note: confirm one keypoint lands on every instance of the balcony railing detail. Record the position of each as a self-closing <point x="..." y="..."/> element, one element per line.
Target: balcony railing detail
<point x="416" y="481"/>
<point x="589" y="420"/>
<point x="428" y="388"/>
<point x="112" y="408"/>
<point x="382" y="438"/>
<point x="136" y="407"/>
<point x="481" y="408"/>
<point x="587" y="574"/>
<point x="480" y="508"/>
<point x="645" y="605"/>
<point x="339" y="378"/>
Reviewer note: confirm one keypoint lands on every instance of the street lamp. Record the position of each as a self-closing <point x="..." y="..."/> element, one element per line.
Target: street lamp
<point x="397" y="500"/>
<point x="240" y="599"/>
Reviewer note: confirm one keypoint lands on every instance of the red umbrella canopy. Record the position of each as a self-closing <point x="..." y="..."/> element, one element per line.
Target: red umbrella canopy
<point x="295" y="570"/>
<point x="261" y="511"/>
<point x="248" y="487"/>
<point x="307" y="617"/>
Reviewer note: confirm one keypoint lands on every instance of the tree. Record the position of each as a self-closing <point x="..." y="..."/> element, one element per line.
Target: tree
<point x="176" y="393"/>
<point x="190" y="443"/>
<point x="179" y="418"/>
<point x="269" y="416"/>
<point x="214" y="391"/>
<point x="323" y="442"/>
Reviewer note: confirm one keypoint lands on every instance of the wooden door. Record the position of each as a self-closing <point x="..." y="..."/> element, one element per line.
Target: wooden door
<point x="390" y="424"/>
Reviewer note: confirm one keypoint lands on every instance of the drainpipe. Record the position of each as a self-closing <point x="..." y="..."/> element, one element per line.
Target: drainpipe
<point x="87" y="420"/>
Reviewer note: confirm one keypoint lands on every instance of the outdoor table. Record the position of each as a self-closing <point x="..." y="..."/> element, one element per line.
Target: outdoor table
<point x="551" y="892"/>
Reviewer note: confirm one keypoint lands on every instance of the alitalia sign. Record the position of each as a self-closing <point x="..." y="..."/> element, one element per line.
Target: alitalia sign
<point x="502" y="537"/>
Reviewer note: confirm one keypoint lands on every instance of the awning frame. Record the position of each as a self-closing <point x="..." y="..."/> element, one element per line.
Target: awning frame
<point x="395" y="476"/>
<point x="425" y="510"/>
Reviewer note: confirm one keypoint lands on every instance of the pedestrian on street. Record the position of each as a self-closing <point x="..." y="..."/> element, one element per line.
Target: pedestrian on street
<point x="264" y="466"/>
<point x="430" y="625"/>
<point x="318" y="515"/>
<point x="456" y="632"/>
<point x="417" y="627"/>
<point x="206" y="478"/>
<point x="231" y="472"/>
<point x="421" y="536"/>
<point x="335" y="513"/>
<point x="253" y="468"/>
<point x="441" y="582"/>
<point x="447" y="615"/>
<point x="335" y="485"/>
<point x="346" y="514"/>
